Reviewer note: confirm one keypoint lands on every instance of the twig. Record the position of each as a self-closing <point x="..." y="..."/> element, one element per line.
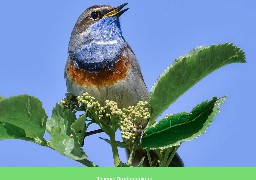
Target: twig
<point x="114" y="149"/>
<point x="172" y="155"/>
<point x="93" y="132"/>
<point x="149" y="158"/>
<point x="131" y="155"/>
<point x="164" y="159"/>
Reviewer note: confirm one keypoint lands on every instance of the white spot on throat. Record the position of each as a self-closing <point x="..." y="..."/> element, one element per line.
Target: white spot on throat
<point x="106" y="42"/>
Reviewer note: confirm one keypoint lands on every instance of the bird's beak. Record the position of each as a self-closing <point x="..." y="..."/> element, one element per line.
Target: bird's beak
<point x="116" y="11"/>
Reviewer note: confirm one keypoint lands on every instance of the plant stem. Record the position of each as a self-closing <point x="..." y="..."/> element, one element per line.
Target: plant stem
<point x="149" y="158"/>
<point x="164" y="159"/>
<point x="93" y="132"/>
<point x="172" y="155"/>
<point x="114" y="149"/>
<point x="131" y="155"/>
<point x="141" y="162"/>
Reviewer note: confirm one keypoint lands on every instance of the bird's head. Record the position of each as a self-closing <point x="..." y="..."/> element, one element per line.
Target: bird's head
<point x="96" y="40"/>
<point x="98" y="14"/>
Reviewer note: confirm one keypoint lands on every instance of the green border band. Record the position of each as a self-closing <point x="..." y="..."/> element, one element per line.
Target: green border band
<point x="56" y="173"/>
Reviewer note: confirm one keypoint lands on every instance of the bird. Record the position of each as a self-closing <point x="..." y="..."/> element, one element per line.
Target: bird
<point x="101" y="62"/>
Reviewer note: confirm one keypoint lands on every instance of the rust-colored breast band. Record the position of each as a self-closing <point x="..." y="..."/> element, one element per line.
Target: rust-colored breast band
<point x="104" y="77"/>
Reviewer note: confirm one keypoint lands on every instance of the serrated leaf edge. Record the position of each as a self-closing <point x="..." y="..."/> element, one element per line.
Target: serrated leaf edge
<point x="217" y="105"/>
<point x="189" y="54"/>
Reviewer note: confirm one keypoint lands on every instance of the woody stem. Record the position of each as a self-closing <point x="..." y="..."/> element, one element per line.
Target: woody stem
<point x="93" y="132"/>
<point x="114" y="149"/>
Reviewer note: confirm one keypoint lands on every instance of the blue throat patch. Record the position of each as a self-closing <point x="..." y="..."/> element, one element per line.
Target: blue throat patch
<point x="101" y="47"/>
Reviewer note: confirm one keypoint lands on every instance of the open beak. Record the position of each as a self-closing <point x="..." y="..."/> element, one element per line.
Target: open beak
<point x="116" y="11"/>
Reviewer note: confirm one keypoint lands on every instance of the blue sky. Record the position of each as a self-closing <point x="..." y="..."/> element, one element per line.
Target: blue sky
<point x="34" y="38"/>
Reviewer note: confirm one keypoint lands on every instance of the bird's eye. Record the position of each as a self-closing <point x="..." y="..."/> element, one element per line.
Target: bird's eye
<point x="95" y="15"/>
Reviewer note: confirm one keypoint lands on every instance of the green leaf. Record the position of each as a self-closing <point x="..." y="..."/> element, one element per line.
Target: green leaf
<point x="22" y="117"/>
<point x="61" y="120"/>
<point x="79" y="129"/>
<point x="187" y="71"/>
<point x="174" y="129"/>
<point x="61" y="137"/>
<point x="9" y="131"/>
<point x="2" y="98"/>
<point x="67" y="146"/>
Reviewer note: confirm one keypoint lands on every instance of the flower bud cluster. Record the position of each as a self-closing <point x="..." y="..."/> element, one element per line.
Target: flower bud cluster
<point x="108" y="111"/>
<point x="134" y="119"/>
<point x="130" y="120"/>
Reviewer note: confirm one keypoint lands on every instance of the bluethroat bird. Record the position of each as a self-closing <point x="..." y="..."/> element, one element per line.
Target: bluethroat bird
<point x="102" y="63"/>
